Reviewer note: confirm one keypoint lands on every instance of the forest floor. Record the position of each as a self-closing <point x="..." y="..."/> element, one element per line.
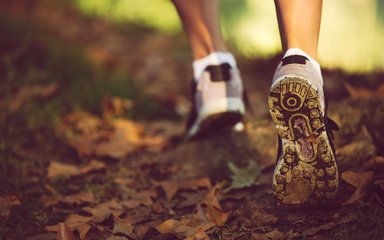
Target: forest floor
<point x="92" y="120"/>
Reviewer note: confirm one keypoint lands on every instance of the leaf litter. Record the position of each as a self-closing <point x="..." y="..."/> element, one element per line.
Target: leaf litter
<point x="137" y="204"/>
<point x="189" y="208"/>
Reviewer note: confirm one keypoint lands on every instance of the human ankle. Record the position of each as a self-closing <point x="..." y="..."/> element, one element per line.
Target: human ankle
<point x="298" y="51"/>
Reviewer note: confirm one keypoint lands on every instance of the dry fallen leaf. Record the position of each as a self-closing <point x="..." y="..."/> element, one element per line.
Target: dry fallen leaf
<point x="62" y="169"/>
<point x="93" y="165"/>
<point x="213" y="209"/>
<point x="186" y="227"/>
<point x="136" y="198"/>
<point x="275" y="234"/>
<point x="171" y="187"/>
<point x="123" y="226"/>
<point x="74" y="199"/>
<point x="217" y="216"/>
<point x="167" y="226"/>
<point x="116" y="138"/>
<point x="260" y="217"/>
<point x="28" y="92"/>
<point x="6" y="202"/>
<point x="327" y="226"/>
<point x="73" y="221"/>
<point x="79" y="198"/>
<point x="360" y="180"/>
<point x="199" y="235"/>
<point x="374" y="163"/>
<point x="56" y="169"/>
<point x="64" y="233"/>
<point x="104" y="210"/>
<point x="83" y="230"/>
<point x="115" y="106"/>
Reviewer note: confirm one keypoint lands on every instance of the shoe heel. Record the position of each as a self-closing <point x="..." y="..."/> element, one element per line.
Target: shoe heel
<point x="306" y="170"/>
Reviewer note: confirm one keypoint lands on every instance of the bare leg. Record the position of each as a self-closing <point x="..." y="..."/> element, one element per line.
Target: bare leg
<point x="296" y="94"/>
<point x="299" y="24"/>
<point x="217" y="86"/>
<point x="201" y="23"/>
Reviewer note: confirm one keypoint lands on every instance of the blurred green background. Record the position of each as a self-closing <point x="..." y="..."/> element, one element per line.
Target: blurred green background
<point x="352" y="33"/>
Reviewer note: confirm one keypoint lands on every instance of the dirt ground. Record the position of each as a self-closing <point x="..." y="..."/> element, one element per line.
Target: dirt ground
<point x="86" y="155"/>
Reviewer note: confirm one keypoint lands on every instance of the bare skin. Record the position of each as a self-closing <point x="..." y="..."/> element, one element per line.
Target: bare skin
<point x="299" y="25"/>
<point x="201" y="23"/>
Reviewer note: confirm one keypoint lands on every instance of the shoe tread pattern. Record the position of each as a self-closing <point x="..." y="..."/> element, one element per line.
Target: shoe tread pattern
<point x="306" y="171"/>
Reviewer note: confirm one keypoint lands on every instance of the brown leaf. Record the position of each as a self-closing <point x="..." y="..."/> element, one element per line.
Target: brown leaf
<point x="79" y="198"/>
<point x="254" y="214"/>
<point x="56" y="169"/>
<point x="171" y="187"/>
<point x="360" y="180"/>
<point x="136" y="198"/>
<point x="83" y="230"/>
<point x="211" y="199"/>
<point x="199" y="235"/>
<point x="186" y="227"/>
<point x="116" y="138"/>
<point x="73" y="221"/>
<point x="168" y="226"/>
<point x="141" y="230"/>
<point x="217" y="216"/>
<point x="213" y="209"/>
<point x="115" y="106"/>
<point x="260" y="217"/>
<point x="6" y="202"/>
<point x="93" y="165"/>
<point x="74" y="199"/>
<point x="190" y="199"/>
<point x="129" y="204"/>
<point x="275" y="234"/>
<point x="27" y="93"/>
<point x="104" y="210"/>
<point x="374" y="163"/>
<point x="123" y="226"/>
<point x="49" y="200"/>
<point x="327" y="226"/>
<point x="138" y="215"/>
<point x="64" y="233"/>
<point x="123" y="181"/>
<point x="91" y="136"/>
<point x="258" y="236"/>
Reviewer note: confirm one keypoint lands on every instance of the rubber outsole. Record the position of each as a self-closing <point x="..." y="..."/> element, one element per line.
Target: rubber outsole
<point x="306" y="171"/>
<point x="218" y="122"/>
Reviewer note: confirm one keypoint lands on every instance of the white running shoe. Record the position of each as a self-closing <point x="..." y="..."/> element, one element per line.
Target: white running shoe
<point x="306" y="170"/>
<point x="217" y="101"/>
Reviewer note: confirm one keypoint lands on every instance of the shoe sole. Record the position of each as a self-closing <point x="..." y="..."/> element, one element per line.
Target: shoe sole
<point x="217" y="116"/>
<point x="306" y="171"/>
<point x="219" y="122"/>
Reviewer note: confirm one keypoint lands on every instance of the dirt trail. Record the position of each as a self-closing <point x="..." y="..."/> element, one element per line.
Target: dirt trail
<point x="161" y="187"/>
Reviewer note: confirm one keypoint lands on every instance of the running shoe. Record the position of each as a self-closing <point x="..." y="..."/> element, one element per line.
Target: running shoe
<point x="306" y="170"/>
<point x="217" y="101"/>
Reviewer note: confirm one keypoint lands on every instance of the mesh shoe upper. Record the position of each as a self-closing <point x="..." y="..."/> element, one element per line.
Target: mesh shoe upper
<point x="218" y="90"/>
<point x="300" y="66"/>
